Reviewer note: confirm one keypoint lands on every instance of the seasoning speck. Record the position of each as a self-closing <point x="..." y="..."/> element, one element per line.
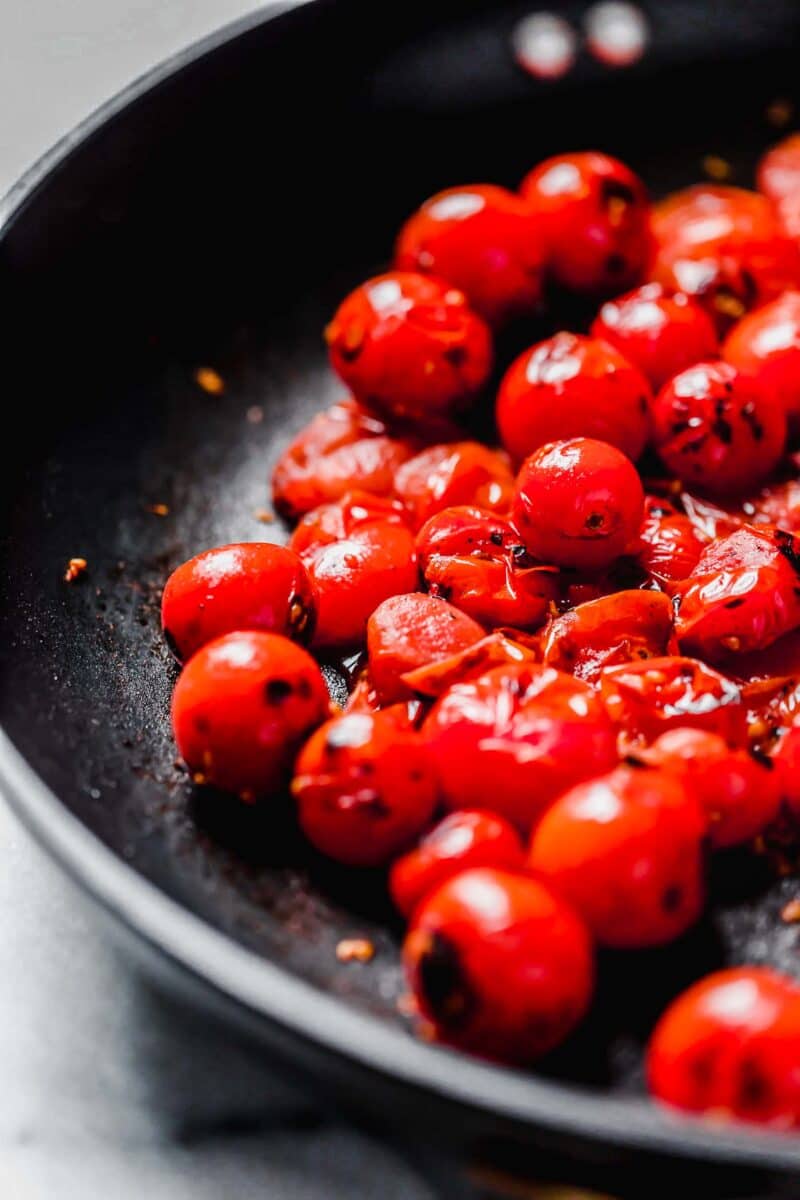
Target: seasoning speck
<point x="209" y="380"/>
<point x="255" y="414"/>
<point x="264" y="516"/>
<point x="158" y="510"/>
<point x="780" y="112"/>
<point x="355" y="950"/>
<point x="75" y="568"/>
<point x="790" y="913"/>
<point x="716" y="167"/>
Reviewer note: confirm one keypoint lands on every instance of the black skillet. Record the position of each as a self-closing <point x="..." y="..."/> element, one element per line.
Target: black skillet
<point x="213" y="215"/>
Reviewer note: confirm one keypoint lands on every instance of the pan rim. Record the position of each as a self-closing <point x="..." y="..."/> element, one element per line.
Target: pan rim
<point x="267" y="992"/>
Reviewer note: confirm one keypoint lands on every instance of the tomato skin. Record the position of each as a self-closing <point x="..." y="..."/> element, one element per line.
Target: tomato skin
<point x="330" y="523"/>
<point x="765" y="347"/>
<point x="572" y="386"/>
<point x="456" y="473"/>
<point x="242" y="706"/>
<point x="712" y="426"/>
<point x="499" y="965"/>
<point x="778" y="172"/>
<point x="410" y="631"/>
<point x="742" y="595"/>
<point x="658" y="331"/>
<point x="626" y="850"/>
<point x="625" y="626"/>
<point x="520" y="733"/>
<point x="786" y="757"/>
<point x="730" y="1046"/>
<point x="670" y="545"/>
<point x="578" y="503"/>
<point x="247" y="585"/>
<point x="739" y="792"/>
<point x="365" y="787"/>
<point x="483" y="240"/>
<point x="462" y="840"/>
<point x="410" y="347"/>
<point x="595" y="218"/>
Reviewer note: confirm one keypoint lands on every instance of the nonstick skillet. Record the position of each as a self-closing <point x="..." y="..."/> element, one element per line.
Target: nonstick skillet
<point x="212" y="215"/>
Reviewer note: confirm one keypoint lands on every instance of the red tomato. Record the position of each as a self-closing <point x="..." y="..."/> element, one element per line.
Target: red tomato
<point x="765" y="346"/>
<point x="242" y="706"/>
<point x="626" y="850"/>
<point x="777" y="503"/>
<point x="482" y="239"/>
<point x="730" y="1046"/>
<point x="410" y="347"/>
<point x="456" y="473"/>
<point x="365" y="787"/>
<point x="595" y="219"/>
<point x="619" y="628"/>
<point x="778" y="173"/>
<point x="670" y="543"/>
<point x="499" y="965"/>
<point x="520" y="734"/>
<point x="464" y="840"/>
<point x="406" y="632"/>
<point x="572" y="386"/>
<point x="646" y="698"/>
<point x="578" y="503"/>
<point x="787" y="760"/>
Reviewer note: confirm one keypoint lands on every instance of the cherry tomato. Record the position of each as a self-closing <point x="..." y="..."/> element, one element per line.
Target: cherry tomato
<point x="572" y="386"/>
<point x="659" y="332"/>
<point x="713" y="427"/>
<point x="456" y="473"/>
<point x="739" y="791"/>
<point x="765" y="346"/>
<point x="496" y="649"/>
<point x="521" y="734"/>
<point x="626" y="850"/>
<point x="241" y="708"/>
<point x="786" y="757"/>
<point x="499" y="965"/>
<point x="344" y="448"/>
<point x="778" y="173"/>
<point x="462" y="841"/>
<point x="330" y="523"/>
<point x="776" y="503"/>
<point x="670" y="543"/>
<point x="595" y="219"/>
<point x="743" y="594"/>
<point x="614" y="629"/>
<point x="730" y="1046"/>
<point x="646" y="698"/>
<point x="251" y="585"/>
<point x="482" y="239"/>
<point x="410" y="347"/>
<point x="578" y="503"/>
<point x="406" y="632"/>
<point x="365" y="787"/>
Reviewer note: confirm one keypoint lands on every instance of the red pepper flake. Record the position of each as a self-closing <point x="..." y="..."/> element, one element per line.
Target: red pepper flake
<point x="255" y="414"/>
<point x="790" y="913"/>
<point x="355" y="950"/>
<point x="209" y="380"/>
<point x="264" y="516"/>
<point x="75" y="568"/>
<point x="158" y="510"/>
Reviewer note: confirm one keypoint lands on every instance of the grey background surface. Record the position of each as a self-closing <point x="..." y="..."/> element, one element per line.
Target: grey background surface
<point x="105" y="1089"/>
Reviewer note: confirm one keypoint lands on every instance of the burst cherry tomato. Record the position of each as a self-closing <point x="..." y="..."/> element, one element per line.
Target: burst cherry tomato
<point x="778" y="173"/>
<point x="456" y="473"/>
<point x="242" y="706"/>
<point x="499" y="965"/>
<point x="619" y="628"/>
<point x="520" y="734"/>
<point x="406" y="632"/>
<point x="595" y="219"/>
<point x="578" y="503"/>
<point x="713" y="427"/>
<point x="765" y="346"/>
<point x="483" y="240"/>
<point x="572" y="386"/>
<point x="410" y="347"/>
<point x="659" y="332"/>
<point x="462" y="841"/>
<point x="670" y="543"/>
<point x="626" y="850"/>
<point x="730" y="1046"/>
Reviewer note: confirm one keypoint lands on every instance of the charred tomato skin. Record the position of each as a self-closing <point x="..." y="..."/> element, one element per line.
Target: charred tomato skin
<point x="454" y="473"/>
<point x="241" y="708"/>
<point x="730" y="1045"/>
<point x="499" y="965"/>
<point x="627" y="851"/>
<point x="625" y="626"/>
<point x="670" y="544"/>
<point x="765" y="347"/>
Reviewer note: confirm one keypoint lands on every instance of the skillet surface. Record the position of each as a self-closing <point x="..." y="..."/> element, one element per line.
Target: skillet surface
<point x="216" y="221"/>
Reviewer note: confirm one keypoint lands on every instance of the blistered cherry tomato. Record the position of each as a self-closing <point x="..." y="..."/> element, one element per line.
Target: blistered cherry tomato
<point x="365" y="787"/>
<point x="410" y="347"/>
<point x="595" y="218"/>
<point x="344" y="448"/>
<point x="462" y="841"/>
<point x="743" y="594"/>
<point x="778" y="173"/>
<point x="730" y="1046"/>
<point x="242" y="706"/>
<point x="410" y="631"/>
<point x="786" y="757"/>
<point x="572" y="386"/>
<point x="776" y="503"/>
<point x="765" y="346"/>
<point x="455" y="473"/>
<point x="626" y="850"/>
<point x="578" y="503"/>
<point x="659" y="332"/>
<point x="520" y="734"/>
<point x="646" y="698"/>
<point x="499" y="965"/>
<point x="739" y="791"/>
<point x="619" y="628"/>
<point x="482" y="239"/>
<point x="714" y="428"/>
<point x="670" y="543"/>
<point x="251" y="585"/>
